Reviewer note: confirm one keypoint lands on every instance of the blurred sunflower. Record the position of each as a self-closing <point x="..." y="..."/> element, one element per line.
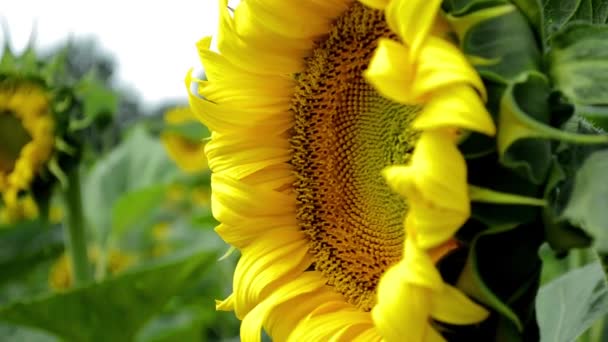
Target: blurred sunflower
<point x="44" y="112"/>
<point x="26" y="126"/>
<point x="310" y="103"/>
<point x="187" y="152"/>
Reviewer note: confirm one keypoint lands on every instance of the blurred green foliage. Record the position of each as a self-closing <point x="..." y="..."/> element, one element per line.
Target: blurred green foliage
<point x="150" y="236"/>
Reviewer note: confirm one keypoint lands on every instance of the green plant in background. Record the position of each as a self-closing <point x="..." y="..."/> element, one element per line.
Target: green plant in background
<point x="100" y="247"/>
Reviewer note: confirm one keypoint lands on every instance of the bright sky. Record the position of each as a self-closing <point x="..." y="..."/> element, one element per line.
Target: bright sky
<point x="152" y="41"/>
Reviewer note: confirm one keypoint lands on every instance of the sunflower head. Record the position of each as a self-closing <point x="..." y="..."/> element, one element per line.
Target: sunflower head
<point x="42" y="115"/>
<point x="27" y="126"/>
<point x="331" y="97"/>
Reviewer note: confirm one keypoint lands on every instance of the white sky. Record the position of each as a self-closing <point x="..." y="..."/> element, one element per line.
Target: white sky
<point x="152" y="42"/>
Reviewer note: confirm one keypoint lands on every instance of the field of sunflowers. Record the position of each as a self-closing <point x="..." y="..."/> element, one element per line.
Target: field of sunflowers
<point x="338" y="170"/>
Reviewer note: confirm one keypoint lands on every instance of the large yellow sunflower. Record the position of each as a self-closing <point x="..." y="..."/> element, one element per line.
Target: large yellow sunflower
<point x="311" y="102"/>
<point x="26" y="127"/>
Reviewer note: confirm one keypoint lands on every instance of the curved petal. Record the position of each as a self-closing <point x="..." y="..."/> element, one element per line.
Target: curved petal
<point x="267" y="265"/>
<point x="412" y="20"/>
<point x="391" y="71"/>
<point x="435" y="185"/>
<point x="457" y="106"/>
<point x="454" y="307"/>
<point x="255" y="319"/>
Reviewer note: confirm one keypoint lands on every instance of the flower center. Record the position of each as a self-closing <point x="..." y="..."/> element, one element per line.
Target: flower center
<point x="344" y="134"/>
<point x="14" y="137"/>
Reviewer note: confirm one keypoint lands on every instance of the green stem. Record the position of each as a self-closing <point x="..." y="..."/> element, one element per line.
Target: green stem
<point x="74" y="230"/>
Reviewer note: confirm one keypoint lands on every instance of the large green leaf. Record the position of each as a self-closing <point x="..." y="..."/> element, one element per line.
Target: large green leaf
<point x="579" y="63"/>
<point x="26" y="244"/>
<point x="139" y="163"/>
<point x="589" y="199"/>
<point x="556" y="14"/>
<point x="579" y="68"/>
<point x="130" y="208"/>
<point x="115" y="309"/>
<point x="568" y="305"/>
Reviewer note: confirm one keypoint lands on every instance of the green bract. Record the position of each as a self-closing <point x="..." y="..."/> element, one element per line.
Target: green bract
<point x="545" y="66"/>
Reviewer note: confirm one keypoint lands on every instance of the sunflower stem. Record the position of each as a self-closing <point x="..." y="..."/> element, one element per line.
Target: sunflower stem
<point x="74" y="230"/>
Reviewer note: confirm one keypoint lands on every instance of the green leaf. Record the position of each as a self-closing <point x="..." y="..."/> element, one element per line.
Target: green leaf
<point x="579" y="63"/>
<point x="502" y="271"/>
<point x="140" y="162"/>
<point x="532" y="9"/>
<point x="113" y="310"/>
<point x="559" y="233"/>
<point x="26" y="244"/>
<point x="589" y="199"/>
<point x="528" y="112"/>
<point x="557" y="14"/>
<point x="131" y="207"/>
<point x="568" y="305"/>
<point x="9" y="332"/>
<point x="486" y="172"/>
<point x="97" y="100"/>
<point x="498" y="41"/>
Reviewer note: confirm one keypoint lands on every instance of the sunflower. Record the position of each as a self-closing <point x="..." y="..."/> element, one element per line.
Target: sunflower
<point x="27" y="129"/>
<point x="187" y="153"/>
<point x="335" y="165"/>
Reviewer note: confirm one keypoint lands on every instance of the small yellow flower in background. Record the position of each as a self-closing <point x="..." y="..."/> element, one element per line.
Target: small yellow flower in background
<point x="61" y="276"/>
<point x="27" y="209"/>
<point x="160" y="234"/>
<point x="24" y="208"/>
<point x="186" y="152"/>
<point x="26" y="127"/>
<point x="309" y="104"/>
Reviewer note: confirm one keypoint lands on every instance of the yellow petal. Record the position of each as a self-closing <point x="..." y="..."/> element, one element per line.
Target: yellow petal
<point x="435" y="186"/>
<point x="433" y="336"/>
<point x="255" y="319"/>
<point x="441" y="64"/>
<point x="240" y="155"/>
<point x="403" y="309"/>
<point x="377" y="4"/>
<point x="266" y="265"/>
<point x="187" y="154"/>
<point x="231" y="200"/>
<point x="247" y="55"/>
<point x="412" y="20"/>
<point x="286" y="318"/>
<point x="248" y="229"/>
<point x="457" y="106"/>
<point x="390" y="71"/>
<point x="226" y="304"/>
<point x="454" y="307"/>
<point x="340" y="325"/>
<point x="228" y="117"/>
<point x="418" y="268"/>
<point x="370" y="335"/>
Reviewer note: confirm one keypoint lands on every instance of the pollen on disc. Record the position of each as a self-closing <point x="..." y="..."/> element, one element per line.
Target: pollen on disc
<point x="344" y="134"/>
